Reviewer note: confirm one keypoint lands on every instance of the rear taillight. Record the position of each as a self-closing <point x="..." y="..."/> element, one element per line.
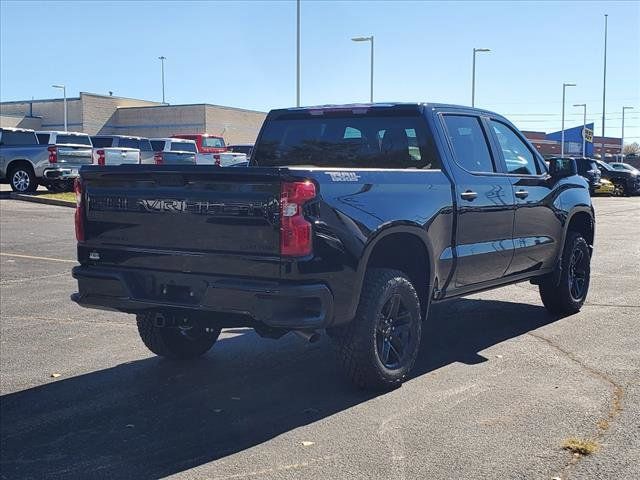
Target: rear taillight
<point x="101" y="160"/>
<point x="295" y="230"/>
<point x="216" y="159"/>
<point x="157" y="158"/>
<point x="79" y="219"/>
<point x="53" y="154"/>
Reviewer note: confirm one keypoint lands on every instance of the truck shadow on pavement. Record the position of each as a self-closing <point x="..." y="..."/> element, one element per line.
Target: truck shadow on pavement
<point x="151" y="418"/>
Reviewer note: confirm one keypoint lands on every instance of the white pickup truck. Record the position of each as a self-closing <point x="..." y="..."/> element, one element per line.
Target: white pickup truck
<point x="126" y="142"/>
<point x="108" y="151"/>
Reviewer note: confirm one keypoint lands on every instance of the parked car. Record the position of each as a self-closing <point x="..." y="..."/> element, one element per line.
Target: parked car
<point x="171" y="151"/>
<point x="141" y="144"/>
<point x="625" y="182"/>
<point x="213" y="151"/>
<point x="588" y="168"/>
<point x="605" y="188"/>
<point x="355" y="219"/>
<point x="24" y="163"/>
<point x="624" y="166"/>
<point x="245" y="148"/>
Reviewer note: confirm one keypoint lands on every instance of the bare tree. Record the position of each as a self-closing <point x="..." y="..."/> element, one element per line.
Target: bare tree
<point x="631" y="148"/>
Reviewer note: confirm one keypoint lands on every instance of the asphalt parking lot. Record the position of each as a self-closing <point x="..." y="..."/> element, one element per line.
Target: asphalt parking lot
<point x="498" y="387"/>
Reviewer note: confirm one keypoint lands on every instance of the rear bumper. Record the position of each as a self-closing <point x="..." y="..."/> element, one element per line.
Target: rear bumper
<point x="278" y="305"/>
<point x="61" y="173"/>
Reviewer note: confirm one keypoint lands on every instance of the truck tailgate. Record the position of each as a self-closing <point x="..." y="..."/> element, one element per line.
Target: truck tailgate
<point x="186" y="218"/>
<point x="120" y="155"/>
<point x="74" y="155"/>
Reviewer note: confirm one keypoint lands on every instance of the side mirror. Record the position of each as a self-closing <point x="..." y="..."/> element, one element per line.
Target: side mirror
<point x="562" y="167"/>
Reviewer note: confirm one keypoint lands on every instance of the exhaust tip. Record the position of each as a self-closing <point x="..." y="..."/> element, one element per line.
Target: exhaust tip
<point x="311" y="336"/>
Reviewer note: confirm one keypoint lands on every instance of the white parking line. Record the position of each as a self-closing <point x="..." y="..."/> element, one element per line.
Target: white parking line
<point x="30" y="257"/>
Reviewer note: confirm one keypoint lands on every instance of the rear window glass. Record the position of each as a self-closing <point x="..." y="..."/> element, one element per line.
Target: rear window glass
<point x="101" y="142"/>
<point x="183" y="146"/>
<point x="157" y="145"/>
<point x="347" y="140"/>
<point x="10" y="137"/>
<point x="212" y="142"/>
<point x="73" y="140"/>
<point x="128" y="143"/>
<point x="43" y="138"/>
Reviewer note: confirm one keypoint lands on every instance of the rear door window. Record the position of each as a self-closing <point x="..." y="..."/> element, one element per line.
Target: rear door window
<point x="10" y="137"/>
<point x="128" y="143"/>
<point x="470" y="147"/>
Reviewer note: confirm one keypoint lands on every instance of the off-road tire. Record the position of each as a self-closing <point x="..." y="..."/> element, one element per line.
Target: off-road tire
<point x="174" y="342"/>
<point x="357" y="344"/>
<point x="22" y="179"/>
<point x="559" y="298"/>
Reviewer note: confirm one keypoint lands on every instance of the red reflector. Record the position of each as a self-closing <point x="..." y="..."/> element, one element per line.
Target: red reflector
<point x="53" y="154"/>
<point x="79" y="217"/>
<point x="295" y="230"/>
<point x="101" y="159"/>
<point x="157" y="158"/>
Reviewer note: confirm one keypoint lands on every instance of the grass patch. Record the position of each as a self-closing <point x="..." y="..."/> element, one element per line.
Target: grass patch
<point x="581" y="447"/>
<point x="64" y="196"/>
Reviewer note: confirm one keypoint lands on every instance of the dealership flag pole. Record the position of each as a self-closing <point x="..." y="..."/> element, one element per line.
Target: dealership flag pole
<point x="622" y="139"/>
<point x="584" y="127"/>
<point x="564" y="87"/>
<point x="298" y="54"/>
<point x="604" y="84"/>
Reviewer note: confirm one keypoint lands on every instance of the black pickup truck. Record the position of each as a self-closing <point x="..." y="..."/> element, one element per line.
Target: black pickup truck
<point x="351" y="220"/>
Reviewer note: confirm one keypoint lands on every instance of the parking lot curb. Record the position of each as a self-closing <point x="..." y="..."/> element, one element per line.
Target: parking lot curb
<point x="47" y="201"/>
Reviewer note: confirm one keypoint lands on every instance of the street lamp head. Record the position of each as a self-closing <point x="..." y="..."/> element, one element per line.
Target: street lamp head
<point x="57" y="86"/>
<point x="481" y="49"/>
<point x="579" y="104"/>
<point x="162" y="58"/>
<point x="569" y="85"/>
<point x="362" y="39"/>
<point x="627" y="108"/>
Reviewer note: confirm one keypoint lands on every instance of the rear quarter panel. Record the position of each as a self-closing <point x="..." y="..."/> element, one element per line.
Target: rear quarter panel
<point x="351" y="217"/>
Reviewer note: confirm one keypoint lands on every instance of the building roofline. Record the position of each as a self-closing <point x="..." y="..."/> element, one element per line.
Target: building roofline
<point x="194" y="105"/>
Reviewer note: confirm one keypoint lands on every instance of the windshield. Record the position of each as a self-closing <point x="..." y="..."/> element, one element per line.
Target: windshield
<point x="346" y="140"/>
<point x="73" y="140"/>
<point x="183" y="146"/>
<point x="212" y="142"/>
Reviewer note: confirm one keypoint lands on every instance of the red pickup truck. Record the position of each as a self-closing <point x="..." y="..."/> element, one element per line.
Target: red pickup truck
<point x="212" y="150"/>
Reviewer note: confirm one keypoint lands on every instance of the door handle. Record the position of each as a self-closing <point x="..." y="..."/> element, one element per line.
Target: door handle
<point x="522" y="194"/>
<point x="469" y="195"/>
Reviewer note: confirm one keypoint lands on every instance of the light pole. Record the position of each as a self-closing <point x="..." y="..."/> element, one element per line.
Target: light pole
<point x="368" y="39"/>
<point x="622" y="139"/>
<point x="64" y="95"/>
<point x="604" y="85"/>
<point x="162" y="59"/>
<point x="564" y="87"/>
<point x="298" y="54"/>
<point x="473" y="74"/>
<point x="584" y="127"/>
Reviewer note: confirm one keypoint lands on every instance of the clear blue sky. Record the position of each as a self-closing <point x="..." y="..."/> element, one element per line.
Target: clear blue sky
<point x="243" y="54"/>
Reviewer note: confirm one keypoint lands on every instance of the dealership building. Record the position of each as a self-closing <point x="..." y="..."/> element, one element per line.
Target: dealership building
<point x="105" y="114"/>
<point x="551" y="143"/>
